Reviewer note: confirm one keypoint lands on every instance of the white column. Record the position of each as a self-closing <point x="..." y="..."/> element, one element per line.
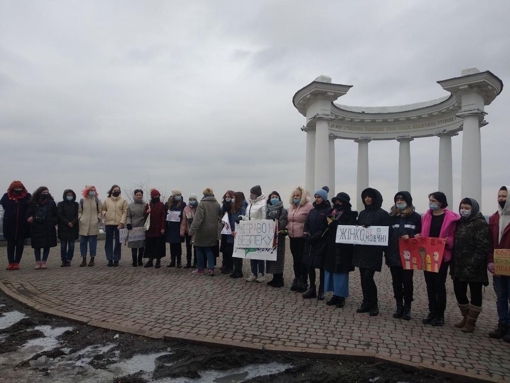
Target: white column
<point x="445" y="179"/>
<point x="321" y="155"/>
<point x="362" y="175"/>
<point x="331" y="183"/>
<point x="404" y="164"/>
<point x="310" y="161"/>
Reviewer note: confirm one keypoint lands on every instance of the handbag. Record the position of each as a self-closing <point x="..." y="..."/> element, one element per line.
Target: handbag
<point x="147" y="224"/>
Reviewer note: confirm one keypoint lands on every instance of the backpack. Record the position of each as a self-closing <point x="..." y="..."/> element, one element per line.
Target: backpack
<point x="97" y="204"/>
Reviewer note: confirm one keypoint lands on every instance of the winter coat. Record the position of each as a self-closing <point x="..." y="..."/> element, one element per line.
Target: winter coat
<point x="89" y="215"/>
<point x="234" y="218"/>
<point x="44" y="232"/>
<point x="15" y="225"/>
<point x="367" y="256"/>
<point x="400" y="226"/>
<point x="339" y="255"/>
<point x="298" y="215"/>
<point x="205" y="223"/>
<point x="447" y="230"/>
<point x="315" y="241"/>
<point x="494" y="223"/>
<point x="256" y="209"/>
<point x="136" y="217"/>
<point x="157" y="219"/>
<point x="276" y="267"/>
<point x="471" y="250"/>
<point x="173" y="228"/>
<point x="188" y="213"/>
<point x="67" y="212"/>
<point x="115" y="211"/>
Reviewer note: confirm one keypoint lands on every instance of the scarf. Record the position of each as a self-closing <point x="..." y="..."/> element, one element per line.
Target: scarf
<point x="273" y="211"/>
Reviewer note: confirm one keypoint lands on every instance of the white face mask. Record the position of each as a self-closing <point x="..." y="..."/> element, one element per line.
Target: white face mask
<point x="465" y="213"/>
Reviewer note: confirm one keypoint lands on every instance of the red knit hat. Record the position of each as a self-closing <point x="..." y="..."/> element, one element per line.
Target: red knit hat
<point x="154" y="193"/>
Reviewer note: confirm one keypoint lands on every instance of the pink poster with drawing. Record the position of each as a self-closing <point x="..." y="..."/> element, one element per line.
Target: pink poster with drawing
<point x="422" y="253"/>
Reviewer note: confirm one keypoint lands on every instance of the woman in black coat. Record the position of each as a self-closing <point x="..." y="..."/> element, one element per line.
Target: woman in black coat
<point x="338" y="262"/>
<point x="315" y="242"/>
<point x="42" y="215"/>
<point x="68" y="229"/>
<point x="15" y="226"/>
<point x="405" y="223"/>
<point x="366" y="257"/>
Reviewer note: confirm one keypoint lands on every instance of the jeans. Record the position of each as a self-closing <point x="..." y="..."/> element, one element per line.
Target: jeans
<point x="257" y="266"/>
<point x="402" y="284"/>
<point x="368" y="286"/>
<point x="66" y="250"/>
<point x="37" y="253"/>
<point x="84" y="241"/>
<point x="112" y="254"/>
<point x="475" y="288"/>
<point x="436" y="289"/>
<point x="502" y="289"/>
<point x="202" y="253"/>
<point x="297" y="246"/>
<point x="15" y="250"/>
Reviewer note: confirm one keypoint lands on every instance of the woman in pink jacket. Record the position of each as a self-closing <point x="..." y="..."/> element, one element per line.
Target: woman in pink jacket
<point x="438" y="222"/>
<point x="300" y="206"/>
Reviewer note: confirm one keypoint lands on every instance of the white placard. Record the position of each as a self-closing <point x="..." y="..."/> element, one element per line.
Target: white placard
<point x="255" y="239"/>
<point x="173" y="216"/>
<point x="137" y="234"/>
<point x="227" y="230"/>
<point x="359" y="235"/>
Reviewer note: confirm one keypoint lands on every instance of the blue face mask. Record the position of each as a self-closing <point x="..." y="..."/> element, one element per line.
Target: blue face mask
<point x="69" y="197"/>
<point x="228" y="199"/>
<point x="177" y="198"/>
<point x="192" y="203"/>
<point x="297" y="201"/>
<point x="401" y="206"/>
<point x="92" y="193"/>
<point x="433" y="206"/>
<point x="233" y="200"/>
<point x="274" y="201"/>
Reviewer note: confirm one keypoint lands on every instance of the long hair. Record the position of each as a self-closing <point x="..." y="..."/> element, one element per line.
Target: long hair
<point x="406" y="212"/>
<point x="170" y="202"/>
<point x="239" y="200"/>
<point x="37" y="194"/>
<point x="111" y="189"/>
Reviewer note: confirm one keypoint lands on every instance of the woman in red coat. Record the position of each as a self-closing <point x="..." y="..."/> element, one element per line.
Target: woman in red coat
<point x="155" y="236"/>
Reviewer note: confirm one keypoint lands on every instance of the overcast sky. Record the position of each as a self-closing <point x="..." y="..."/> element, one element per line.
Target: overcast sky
<point x="191" y="94"/>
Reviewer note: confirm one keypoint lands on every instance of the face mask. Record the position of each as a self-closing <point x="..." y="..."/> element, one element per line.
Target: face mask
<point x="228" y="199"/>
<point x="233" y="200"/>
<point x="44" y="196"/>
<point x="297" y="201"/>
<point x="155" y="199"/>
<point x="253" y="197"/>
<point x="116" y="194"/>
<point x="401" y="206"/>
<point x="433" y="206"/>
<point x="177" y="198"/>
<point x="18" y="192"/>
<point x="92" y="193"/>
<point x="465" y="213"/>
<point x="69" y="197"/>
<point x="192" y="203"/>
<point x="274" y="201"/>
<point x="502" y="204"/>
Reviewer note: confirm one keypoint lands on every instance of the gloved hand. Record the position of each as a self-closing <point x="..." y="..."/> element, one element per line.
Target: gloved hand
<point x="240" y="218"/>
<point x="129" y="226"/>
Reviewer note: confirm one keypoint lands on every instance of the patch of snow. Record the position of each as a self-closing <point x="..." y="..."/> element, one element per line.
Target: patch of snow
<point x="10" y="318"/>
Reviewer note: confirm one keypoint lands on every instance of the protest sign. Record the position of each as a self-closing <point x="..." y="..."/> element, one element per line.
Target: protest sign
<point x="137" y="234"/>
<point x="173" y="216"/>
<point x="422" y="253"/>
<point x="227" y="230"/>
<point x="502" y="261"/>
<point x="359" y="235"/>
<point x="256" y="239"/>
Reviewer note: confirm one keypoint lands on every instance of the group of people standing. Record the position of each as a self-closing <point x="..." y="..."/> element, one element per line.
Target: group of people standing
<point x="310" y="226"/>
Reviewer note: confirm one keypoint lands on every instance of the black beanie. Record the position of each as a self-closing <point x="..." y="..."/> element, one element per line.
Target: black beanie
<point x="256" y="190"/>
<point x="406" y="196"/>
<point x="441" y="198"/>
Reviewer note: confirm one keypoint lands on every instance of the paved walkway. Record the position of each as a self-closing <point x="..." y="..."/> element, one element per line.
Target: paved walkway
<point x="173" y="303"/>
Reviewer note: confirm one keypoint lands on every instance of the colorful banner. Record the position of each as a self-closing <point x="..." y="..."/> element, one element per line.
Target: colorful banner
<point x="256" y="239"/>
<point x="137" y="234"/>
<point x="422" y="253"/>
<point x="359" y="235"/>
<point x="502" y="262"/>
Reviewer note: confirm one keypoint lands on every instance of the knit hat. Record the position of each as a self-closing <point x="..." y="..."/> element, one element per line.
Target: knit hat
<point x="322" y="193"/>
<point x="208" y="191"/>
<point x="192" y="195"/>
<point x="257" y="190"/>
<point x="176" y="192"/>
<point x="342" y="197"/>
<point x="406" y="196"/>
<point x="441" y="198"/>
<point x="154" y="193"/>
<point x="326" y="188"/>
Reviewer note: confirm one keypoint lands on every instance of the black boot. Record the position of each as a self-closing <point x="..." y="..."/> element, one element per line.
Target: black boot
<point x="406" y="311"/>
<point x="158" y="263"/>
<point x="429" y="318"/>
<point x="135" y="260"/>
<point x="188" y="262"/>
<point x="179" y="264"/>
<point x="374" y="310"/>
<point x="301" y="286"/>
<point x="140" y="256"/>
<point x="311" y="293"/>
<point x="277" y="280"/>
<point x="294" y="285"/>
<point x="438" y="319"/>
<point x="341" y="302"/>
<point x="364" y="308"/>
<point x="172" y="262"/>
<point x="149" y="263"/>
<point x="320" y="295"/>
<point x="110" y="264"/>
<point x="333" y="301"/>
<point x="399" y="310"/>
<point x="500" y="331"/>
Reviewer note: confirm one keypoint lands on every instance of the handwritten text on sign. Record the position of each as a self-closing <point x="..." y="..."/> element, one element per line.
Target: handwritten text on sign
<point x="358" y="235"/>
<point x="137" y="234"/>
<point x="502" y="261"/>
<point x="255" y="239"/>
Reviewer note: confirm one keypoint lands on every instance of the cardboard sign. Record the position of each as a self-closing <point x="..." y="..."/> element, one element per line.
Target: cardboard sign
<point x="227" y="230"/>
<point x="173" y="216"/>
<point x="422" y="253"/>
<point x="502" y="262"/>
<point x="359" y="235"/>
<point x="256" y="239"/>
<point x="137" y="234"/>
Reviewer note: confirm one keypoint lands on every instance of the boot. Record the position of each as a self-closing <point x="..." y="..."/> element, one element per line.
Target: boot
<point x="374" y="310"/>
<point x="333" y="301"/>
<point x="172" y="262"/>
<point x="37" y="265"/>
<point x="399" y="310"/>
<point x="188" y="262"/>
<point x="406" y="311"/>
<point x="135" y="260"/>
<point x="311" y="293"/>
<point x="91" y="263"/>
<point x="500" y="331"/>
<point x="464" y="310"/>
<point x="471" y="319"/>
<point x="149" y="263"/>
<point x="158" y="263"/>
<point x="429" y="318"/>
<point x="438" y="319"/>
<point x="84" y="261"/>
<point x="320" y="295"/>
<point x="140" y="259"/>
<point x="506" y="338"/>
<point x="294" y="285"/>
<point x="341" y="302"/>
<point x="364" y="308"/>
<point x="302" y="286"/>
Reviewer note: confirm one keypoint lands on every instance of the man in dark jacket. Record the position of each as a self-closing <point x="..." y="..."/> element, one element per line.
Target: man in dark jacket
<point x="366" y="257"/>
<point x="67" y="214"/>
